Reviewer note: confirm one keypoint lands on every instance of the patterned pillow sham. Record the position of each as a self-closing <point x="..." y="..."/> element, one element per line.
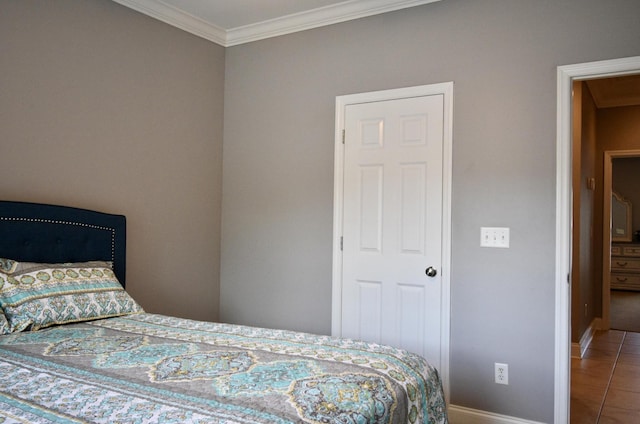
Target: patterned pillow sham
<point x="34" y="296"/>
<point x="5" y="265"/>
<point x="4" y="325"/>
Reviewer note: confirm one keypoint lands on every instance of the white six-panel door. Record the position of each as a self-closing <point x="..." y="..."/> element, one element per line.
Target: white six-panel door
<point x="392" y="224"/>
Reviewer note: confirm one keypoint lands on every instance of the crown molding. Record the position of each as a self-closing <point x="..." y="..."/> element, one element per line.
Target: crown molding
<point x="328" y="15"/>
<point x="178" y="18"/>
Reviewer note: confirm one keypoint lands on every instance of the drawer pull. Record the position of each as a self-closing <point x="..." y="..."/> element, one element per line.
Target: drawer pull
<point x="621" y="263"/>
<point x="621" y="279"/>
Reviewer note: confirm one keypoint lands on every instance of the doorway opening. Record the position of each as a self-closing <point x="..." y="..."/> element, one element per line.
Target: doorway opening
<point x="605" y="130"/>
<point x="567" y="75"/>
<point x="621" y="281"/>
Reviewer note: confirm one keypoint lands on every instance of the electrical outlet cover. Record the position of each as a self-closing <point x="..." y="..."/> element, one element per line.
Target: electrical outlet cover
<point x="501" y="373"/>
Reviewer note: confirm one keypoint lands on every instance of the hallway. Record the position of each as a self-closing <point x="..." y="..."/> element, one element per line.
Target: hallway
<point x="605" y="383"/>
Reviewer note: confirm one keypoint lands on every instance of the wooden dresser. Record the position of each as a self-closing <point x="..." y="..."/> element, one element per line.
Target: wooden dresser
<point x="625" y="266"/>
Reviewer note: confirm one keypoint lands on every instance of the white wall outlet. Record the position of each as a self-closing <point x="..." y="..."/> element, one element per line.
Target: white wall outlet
<point x="494" y="237"/>
<point x="501" y="373"/>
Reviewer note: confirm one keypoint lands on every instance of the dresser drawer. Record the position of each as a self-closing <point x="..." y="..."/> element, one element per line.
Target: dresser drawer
<point x="631" y="251"/>
<point x="624" y="264"/>
<point x="622" y="281"/>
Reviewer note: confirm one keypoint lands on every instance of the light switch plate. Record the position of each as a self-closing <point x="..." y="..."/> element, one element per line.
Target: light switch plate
<point x="494" y="237"/>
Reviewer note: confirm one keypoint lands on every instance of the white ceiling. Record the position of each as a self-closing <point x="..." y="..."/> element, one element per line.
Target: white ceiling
<point x="233" y="22"/>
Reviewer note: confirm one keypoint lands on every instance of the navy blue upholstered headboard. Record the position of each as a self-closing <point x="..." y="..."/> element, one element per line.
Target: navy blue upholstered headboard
<point x="33" y="232"/>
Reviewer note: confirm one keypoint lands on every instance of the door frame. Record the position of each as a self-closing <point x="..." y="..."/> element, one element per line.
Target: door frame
<point x="566" y="75"/>
<point x="445" y="89"/>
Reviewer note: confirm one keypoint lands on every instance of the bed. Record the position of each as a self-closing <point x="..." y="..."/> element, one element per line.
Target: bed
<point x="76" y="348"/>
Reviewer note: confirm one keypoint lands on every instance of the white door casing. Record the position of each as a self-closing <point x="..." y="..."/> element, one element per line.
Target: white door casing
<point x="392" y="217"/>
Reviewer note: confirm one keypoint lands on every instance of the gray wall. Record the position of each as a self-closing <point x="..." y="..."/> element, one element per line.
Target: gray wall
<point x="278" y="170"/>
<point x="104" y="108"/>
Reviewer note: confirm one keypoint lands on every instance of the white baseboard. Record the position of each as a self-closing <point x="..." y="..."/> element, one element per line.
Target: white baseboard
<point x="462" y="415"/>
<point x="578" y="349"/>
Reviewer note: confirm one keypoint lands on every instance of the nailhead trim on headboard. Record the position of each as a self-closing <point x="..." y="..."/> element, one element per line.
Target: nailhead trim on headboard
<point x="79" y="224"/>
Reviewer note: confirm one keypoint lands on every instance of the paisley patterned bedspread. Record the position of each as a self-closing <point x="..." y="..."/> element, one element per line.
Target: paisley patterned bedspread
<point x="150" y="368"/>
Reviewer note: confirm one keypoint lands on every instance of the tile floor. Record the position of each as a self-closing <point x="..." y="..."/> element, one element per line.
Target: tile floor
<point x="605" y="383"/>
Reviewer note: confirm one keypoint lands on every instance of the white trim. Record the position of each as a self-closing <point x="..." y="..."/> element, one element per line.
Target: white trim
<point x="578" y="349"/>
<point x="462" y="415"/>
<point x="566" y="75"/>
<point x="322" y="16"/>
<point x="606" y="241"/>
<point x="328" y="15"/>
<point x="446" y="89"/>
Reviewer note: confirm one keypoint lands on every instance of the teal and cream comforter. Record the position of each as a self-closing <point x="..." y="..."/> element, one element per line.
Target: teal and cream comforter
<point x="148" y="368"/>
